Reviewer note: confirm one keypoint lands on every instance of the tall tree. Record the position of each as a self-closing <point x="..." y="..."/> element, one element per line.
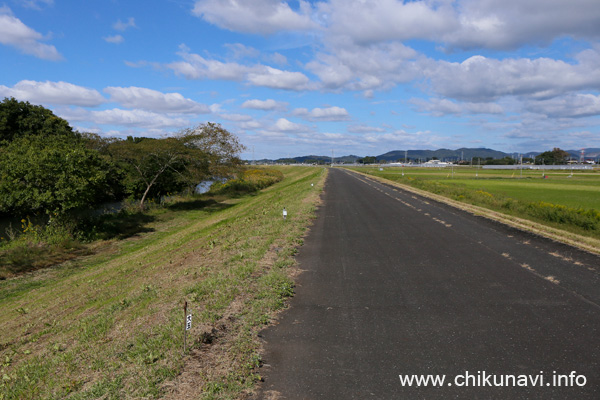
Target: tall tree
<point x="18" y="118"/>
<point x="556" y="156"/>
<point x="158" y="166"/>
<point x="53" y="175"/>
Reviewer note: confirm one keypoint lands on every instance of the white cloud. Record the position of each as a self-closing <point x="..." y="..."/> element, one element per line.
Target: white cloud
<point x="123" y="26"/>
<point x="195" y="66"/>
<point x="570" y="106"/>
<point x="484" y="79"/>
<point x="255" y="16"/>
<point x="495" y="24"/>
<point x="53" y="93"/>
<point x="266" y="105"/>
<point x="422" y="139"/>
<point x="323" y="114"/>
<point x="362" y="128"/>
<point x="239" y="51"/>
<point x="277" y="79"/>
<point x="284" y="125"/>
<point x="384" y="20"/>
<point x="439" y="107"/>
<point x="250" y="125"/>
<point x="15" y="33"/>
<point x="236" y="117"/>
<point x="363" y="68"/>
<point x="37" y="4"/>
<point x="114" y="39"/>
<point x="278" y="59"/>
<point x="509" y="24"/>
<point x="120" y="117"/>
<point x="153" y="100"/>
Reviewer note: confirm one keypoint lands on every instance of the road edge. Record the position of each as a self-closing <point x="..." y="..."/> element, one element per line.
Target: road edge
<point x="584" y="243"/>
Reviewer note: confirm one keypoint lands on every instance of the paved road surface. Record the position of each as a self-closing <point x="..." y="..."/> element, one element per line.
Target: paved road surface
<point x="397" y="284"/>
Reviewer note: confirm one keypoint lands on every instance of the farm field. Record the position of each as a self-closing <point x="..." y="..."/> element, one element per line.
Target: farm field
<point x="563" y="199"/>
<point x="582" y="189"/>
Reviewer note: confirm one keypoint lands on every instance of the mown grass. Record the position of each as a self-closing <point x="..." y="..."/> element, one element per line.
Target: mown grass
<point x="111" y="325"/>
<point x="562" y="200"/>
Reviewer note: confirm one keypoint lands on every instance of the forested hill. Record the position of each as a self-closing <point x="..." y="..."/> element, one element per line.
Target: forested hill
<point x="441" y="154"/>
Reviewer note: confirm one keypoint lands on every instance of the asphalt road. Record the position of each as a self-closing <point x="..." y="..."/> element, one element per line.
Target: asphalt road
<point x="395" y="284"/>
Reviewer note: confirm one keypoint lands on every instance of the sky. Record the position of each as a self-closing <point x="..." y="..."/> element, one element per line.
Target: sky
<point x="294" y="78"/>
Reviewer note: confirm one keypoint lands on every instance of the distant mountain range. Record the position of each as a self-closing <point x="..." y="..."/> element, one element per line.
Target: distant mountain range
<point x="440" y="154"/>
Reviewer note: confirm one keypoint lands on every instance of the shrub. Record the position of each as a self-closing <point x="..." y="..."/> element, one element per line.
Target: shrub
<point x="248" y="181"/>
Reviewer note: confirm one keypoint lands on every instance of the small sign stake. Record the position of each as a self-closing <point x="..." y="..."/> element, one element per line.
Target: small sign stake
<point x="284" y="213"/>
<point x="186" y="326"/>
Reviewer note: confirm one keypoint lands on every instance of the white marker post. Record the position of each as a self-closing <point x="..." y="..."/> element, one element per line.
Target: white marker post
<point x="284" y="213"/>
<point x="188" y="326"/>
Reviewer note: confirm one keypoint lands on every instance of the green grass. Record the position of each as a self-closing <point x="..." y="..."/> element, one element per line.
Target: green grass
<point x="110" y="325"/>
<point x="578" y="192"/>
<point x="566" y="200"/>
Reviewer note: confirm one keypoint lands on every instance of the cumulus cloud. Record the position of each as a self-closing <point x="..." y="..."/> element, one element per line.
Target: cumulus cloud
<point x="278" y="59"/>
<point x="53" y="93"/>
<point x="423" y="139"/>
<point x="569" y="106"/>
<point x="255" y="16"/>
<point x="362" y="128"/>
<point x="495" y="24"/>
<point x="37" y="4"/>
<point x="123" y="26"/>
<point x="265" y="105"/>
<point x="484" y="79"/>
<point x="120" y="117"/>
<point x="362" y="68"/>
<point x="239" y="51"/>
<point x="153" y="100"/>
<point x="236" y="117"/>
<point x="277" y="79"/>
<point x="387" y="19"/>
<point x="114" y="39"/>
<point x="194" y="66"/>
<point x="439" y="107"/>
<point x="323" y="114"/>
<point x="284" y="125"/>
<point x="509" y="24"/>
<point x="15" y="33"/>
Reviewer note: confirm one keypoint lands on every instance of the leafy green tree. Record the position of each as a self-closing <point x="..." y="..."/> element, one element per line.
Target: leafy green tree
<point x="53" y="175"/>
<point x="367" y="160"/>
<point x="556" y="156"/>
<point x="156" y="167"/>
<point x="18" y="118"/>
<point x="500" y="161"/>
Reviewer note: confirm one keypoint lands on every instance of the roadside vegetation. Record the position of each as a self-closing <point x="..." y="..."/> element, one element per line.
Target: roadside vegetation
<point x="110" y="325"/>
<point x="54" y="180"/>
<point x="562" y="199"/>
<point x="91" y="301"/>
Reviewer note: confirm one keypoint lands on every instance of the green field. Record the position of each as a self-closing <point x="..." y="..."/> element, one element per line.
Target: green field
<point x="582" y="189"/>
<point x="562" y="199"/>
<point x="110" y="325"/>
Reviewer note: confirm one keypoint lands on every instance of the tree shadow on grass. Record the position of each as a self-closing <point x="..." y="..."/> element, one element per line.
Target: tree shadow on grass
<point x="210" y="205"/>
<point x="120" y="226"/>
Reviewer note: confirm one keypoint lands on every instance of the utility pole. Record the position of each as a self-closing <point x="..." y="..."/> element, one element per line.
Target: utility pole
<point x="521" y="165"/>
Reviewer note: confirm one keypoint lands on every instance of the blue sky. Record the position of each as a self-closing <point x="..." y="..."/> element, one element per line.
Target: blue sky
<point x="295" y="78"/>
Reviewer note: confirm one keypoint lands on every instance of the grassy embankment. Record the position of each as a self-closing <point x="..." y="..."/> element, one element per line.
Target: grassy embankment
<point x="111" y="325"/>
<point x="563" y="201"/>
